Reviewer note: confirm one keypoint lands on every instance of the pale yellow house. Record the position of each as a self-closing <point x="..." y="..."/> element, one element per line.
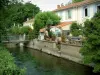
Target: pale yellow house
<point x="29" y="23"/>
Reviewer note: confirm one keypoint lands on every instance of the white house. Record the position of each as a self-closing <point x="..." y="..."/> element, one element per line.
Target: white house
<point x="79" y="11"/>
<point x="29" y="23"/>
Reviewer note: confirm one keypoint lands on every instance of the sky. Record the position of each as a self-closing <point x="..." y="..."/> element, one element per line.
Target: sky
<point x="47" y="5"/>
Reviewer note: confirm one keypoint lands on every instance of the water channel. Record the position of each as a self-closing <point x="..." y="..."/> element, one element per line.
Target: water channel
<point x="39" y="63"/>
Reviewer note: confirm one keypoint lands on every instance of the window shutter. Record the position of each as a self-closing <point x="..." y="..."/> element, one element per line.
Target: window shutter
<point x="89" y="11"/>
<point x="83" y="12"/>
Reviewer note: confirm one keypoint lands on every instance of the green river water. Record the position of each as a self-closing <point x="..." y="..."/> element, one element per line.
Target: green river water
<point x="39" y="63"/>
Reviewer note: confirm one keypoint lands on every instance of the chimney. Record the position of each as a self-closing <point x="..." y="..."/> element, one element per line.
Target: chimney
<point x="58" y="6"/>
<point x="62" y="4"/>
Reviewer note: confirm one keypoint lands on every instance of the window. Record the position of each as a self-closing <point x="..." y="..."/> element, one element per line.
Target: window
<point x="86" y="12"/>
<point x="69" y="14"/>
<point x="98" y="8"/>
<point x="61" y="14"/>
<point x="66" y="15"/>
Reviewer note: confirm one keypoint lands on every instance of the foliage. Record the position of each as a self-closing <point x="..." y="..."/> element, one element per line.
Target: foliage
<point x="74" y="1"/>
<point x="43" y="19"/>
<point x="76" y="29"/>
<point x="7" y="65"/>
<point x="18" y="13"/>
<point x="91" y="46"/>
<point x="26" y="30"/>
<point x="20" y="30"/>
<point x="14" y="12"/>
<point x="31" y="35"/>
<point x="49" y="22"/>
<point x="4" y="3"/>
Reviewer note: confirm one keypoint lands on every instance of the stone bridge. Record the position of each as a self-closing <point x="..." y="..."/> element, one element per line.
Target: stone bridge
<point x="15" y="40"/>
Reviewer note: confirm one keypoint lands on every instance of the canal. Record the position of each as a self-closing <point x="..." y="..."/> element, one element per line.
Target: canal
<point x="39" y="63"/>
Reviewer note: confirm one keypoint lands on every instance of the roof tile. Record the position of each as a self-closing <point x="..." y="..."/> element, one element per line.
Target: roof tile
<point x="85" y="2"/>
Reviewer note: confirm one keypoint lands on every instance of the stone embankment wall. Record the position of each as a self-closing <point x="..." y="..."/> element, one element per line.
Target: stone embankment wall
<point x="68" y="51"/>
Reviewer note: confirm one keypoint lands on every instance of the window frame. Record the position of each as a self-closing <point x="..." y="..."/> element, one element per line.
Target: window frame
<point x="98" y="6"/>
<point x="86" y="12"/>
<point x="69" y="14"/>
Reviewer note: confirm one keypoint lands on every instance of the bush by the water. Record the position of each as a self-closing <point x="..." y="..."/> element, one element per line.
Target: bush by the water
<point x="91" y="46"/>
<point x="7" y="65"/>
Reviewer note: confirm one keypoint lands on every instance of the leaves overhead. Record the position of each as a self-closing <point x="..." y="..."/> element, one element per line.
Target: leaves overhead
<point x="14" y="12"/>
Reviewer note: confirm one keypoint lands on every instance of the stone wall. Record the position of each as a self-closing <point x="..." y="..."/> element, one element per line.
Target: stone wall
<point x="67" y="51"/>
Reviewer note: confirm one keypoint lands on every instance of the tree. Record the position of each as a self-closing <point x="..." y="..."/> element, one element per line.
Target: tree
<point x="4" y="3"/>
<point x="44" y="19"/>
<point x="18" y="13"/>
<point x="14" y="12"/>
<point x="3" y="6"/>
<point x="74" y="1"/>
<point x="91" y="46"/>
<point x="76" y="29"/>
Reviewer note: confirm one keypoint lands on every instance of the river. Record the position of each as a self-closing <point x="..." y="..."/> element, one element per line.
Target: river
<point x="39" y="63"/>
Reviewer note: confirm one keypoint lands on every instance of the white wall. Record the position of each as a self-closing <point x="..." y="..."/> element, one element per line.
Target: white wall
<point x="78" y="13"/>
<point x="81" y="15"/>
<point x="41" y="36"/>
<point x="63" y="15"/>
<point x="67" y="27"/>
<point x="28" y="24"/>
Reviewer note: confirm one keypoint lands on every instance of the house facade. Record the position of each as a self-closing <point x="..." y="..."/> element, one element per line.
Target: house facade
<point x="74" y="12"/>
<point x="79" y="11"/>
<point x="29" y="23"/>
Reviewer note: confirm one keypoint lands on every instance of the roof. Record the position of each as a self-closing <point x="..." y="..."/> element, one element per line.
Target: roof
<point x="29" y="21"/>
<point x="61" y="24"/>
<point x="85" y="2"/>
<point x="42" y="30"/>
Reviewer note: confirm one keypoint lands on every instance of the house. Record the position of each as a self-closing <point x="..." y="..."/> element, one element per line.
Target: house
<point x="65" y="27"/>
<point x="79" y="11"/>
<point x="75" y="12"/>
<point x="29" y="23"/>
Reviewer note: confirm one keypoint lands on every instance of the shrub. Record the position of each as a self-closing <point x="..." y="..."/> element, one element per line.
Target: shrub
<point x="44" y="19"/>
<point x="7" y="65"/>
<point x="76" y="29"/>
<point x="20" y="30"/>
<point x="91" y="46"/>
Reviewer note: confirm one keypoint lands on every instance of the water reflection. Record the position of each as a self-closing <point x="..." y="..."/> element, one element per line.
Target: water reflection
<point x="39" y="63"/>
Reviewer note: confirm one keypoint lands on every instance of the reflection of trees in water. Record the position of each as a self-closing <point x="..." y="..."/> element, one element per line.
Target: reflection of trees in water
<point x="45" y="64"/>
